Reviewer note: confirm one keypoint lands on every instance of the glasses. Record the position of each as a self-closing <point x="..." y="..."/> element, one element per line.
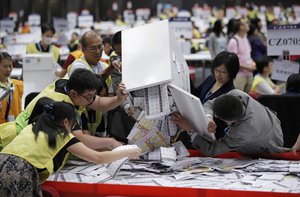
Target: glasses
<point x="223" y="72"/>
<point x="94" y="49"/>
<point x="89" y="98"/>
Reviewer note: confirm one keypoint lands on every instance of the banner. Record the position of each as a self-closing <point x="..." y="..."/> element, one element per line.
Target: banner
<point x="283" y="38"/>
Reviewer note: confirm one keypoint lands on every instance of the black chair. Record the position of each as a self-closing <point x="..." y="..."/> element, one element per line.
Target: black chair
<point x="288" y="112"/>
<point x="29" y="98"/>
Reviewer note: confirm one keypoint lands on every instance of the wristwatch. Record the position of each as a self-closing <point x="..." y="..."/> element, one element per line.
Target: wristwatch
<point x="190" y="132"/>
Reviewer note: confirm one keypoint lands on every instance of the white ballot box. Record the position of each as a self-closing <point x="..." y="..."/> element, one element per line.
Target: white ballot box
<point x="191" y="109"/>
<point x="38" y="72"/>
<point x="151" y="56"/>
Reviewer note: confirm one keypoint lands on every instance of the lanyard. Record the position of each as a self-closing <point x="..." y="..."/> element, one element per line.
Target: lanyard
<point x="9" y="99"/>
<point x="207" y="96"/>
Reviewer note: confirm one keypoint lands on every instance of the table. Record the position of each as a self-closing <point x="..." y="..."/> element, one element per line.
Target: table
<point x="200" y="58"/>
<point x="100" y="189"/>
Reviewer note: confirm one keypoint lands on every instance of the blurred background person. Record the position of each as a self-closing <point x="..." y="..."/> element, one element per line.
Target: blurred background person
<point x="258" y="48"/>
<point x="46" y="44"/>
<point x="262" y="84"/>
<point x="107" y="49"/>
<point x="11" y="104"/>
<point x="240" y="45"/>
<point x="258" y="24"/>
<point x="217" y="40"/>
<point x="73" y="45"/>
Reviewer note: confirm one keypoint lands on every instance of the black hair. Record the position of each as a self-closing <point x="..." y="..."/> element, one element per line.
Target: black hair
<point x="230" y="25"/>
<point x="82" y="80"/>
<point x="217" y="29"/>
<point x="236" y="25"/>
<point x="255" y="22"/>
<point x="106" y="40"/>
<point x="231" y="62"/>
<point x="46" y="27"/>
<point x="75" y="33"/>
<point x="262" y="63"/>
<point x="50" y="121"/>
<point x="116" y="39"/>
<point x="103" y="85"/>
<point x="229" y="108"/>
<point x="252" y="29"/>
<point x="293" y="83"/>
<point x="39" y="108"/>
<point x="5" y="55"/>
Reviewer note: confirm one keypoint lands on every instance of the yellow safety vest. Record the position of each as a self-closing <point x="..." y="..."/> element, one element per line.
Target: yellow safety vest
<point x="77" y="54"/>
<point x="37" y="152"/>
<point x="22" y="119"/>
<point x="31" y="49"/>
<point x="259" y="79"/>
<point x="8" y="131"/>
<point x="92" y="127"/>
<point x="82" y="59"/>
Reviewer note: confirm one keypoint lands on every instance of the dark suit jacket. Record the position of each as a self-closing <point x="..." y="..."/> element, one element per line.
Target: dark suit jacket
<point x="205" y="87"/>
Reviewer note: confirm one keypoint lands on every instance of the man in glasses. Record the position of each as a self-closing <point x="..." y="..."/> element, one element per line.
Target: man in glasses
<point x="92" y="49"/>
<point x="80" y="90"/>
<point x="252" y="128"/>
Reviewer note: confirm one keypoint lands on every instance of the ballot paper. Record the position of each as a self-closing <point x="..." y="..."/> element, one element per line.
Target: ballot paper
<point x="180" y="150"/>
<point x="194" y="172"/>
<point x="168" y="155"/>
<point x="114" y="167"/>
<point x="152" y="140"/>
<point x="142" y="128"/>
<point x="156" y="101"/>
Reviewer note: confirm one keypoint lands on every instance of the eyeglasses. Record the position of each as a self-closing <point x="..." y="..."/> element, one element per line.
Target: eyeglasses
<point x="223" y="72"/>
<point x="94" y="49"/>
<point x="89" y="98"/>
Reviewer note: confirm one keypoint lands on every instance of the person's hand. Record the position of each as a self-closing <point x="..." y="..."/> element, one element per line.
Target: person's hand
<point x="180" y="121"/>
<point x="211" y="126"/>
<point x="121" y="92"/>
<point x="134" y="153"/>
<point x="117" y="65"/>
<point x="296" y="146"/>
<point x="113" y="143"/>
<point x="295" y="149"/>
<point x="277" y="90"/>
<point x="252" y="67"/>
<point x="129" y="109"/>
